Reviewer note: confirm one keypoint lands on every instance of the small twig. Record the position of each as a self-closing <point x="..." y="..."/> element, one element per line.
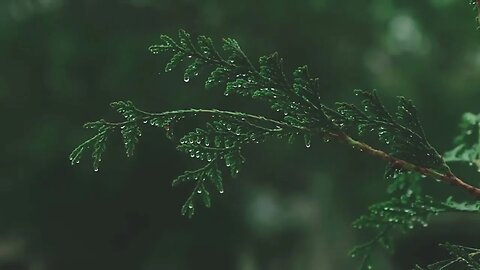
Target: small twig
<point x="400" y="163"/>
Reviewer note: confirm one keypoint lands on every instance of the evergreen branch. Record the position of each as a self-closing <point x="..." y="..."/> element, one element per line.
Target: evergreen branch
<point x="461" y="255"/>
<point x="365" y="250"/>
<point x="209" y="171"/>
<point x="299" y="101"/>
<point x="97" y="143"/>
<point x="403" y="214"/>
<point x="130" y="128"/>
<point x="221" y="141"/>
<point x="270" y="84"/>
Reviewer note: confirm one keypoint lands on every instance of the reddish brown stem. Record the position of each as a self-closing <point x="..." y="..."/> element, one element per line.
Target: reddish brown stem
<point x="400" y="163"/>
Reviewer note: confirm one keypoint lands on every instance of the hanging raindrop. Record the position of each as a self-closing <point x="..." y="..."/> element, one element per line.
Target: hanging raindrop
<point x="307" y="141"/>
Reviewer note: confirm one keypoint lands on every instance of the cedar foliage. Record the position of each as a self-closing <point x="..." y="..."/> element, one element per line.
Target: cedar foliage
<point x="219" y="143"/>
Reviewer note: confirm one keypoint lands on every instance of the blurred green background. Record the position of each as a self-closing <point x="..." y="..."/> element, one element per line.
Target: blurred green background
<point x="64" y="61"/>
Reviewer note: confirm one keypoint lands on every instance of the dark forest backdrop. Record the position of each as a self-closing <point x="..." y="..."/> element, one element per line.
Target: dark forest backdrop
<point x="64" y="61"/>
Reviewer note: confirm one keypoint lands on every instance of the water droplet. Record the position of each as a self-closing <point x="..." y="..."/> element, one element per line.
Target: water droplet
<point x="190" y="206"/>
<point x="221" y="191"/>
<point x="199" y="191"/>
<point x="95" y="170"/>
<point x="186" y="79"/>
<point x="307" y="141"/>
